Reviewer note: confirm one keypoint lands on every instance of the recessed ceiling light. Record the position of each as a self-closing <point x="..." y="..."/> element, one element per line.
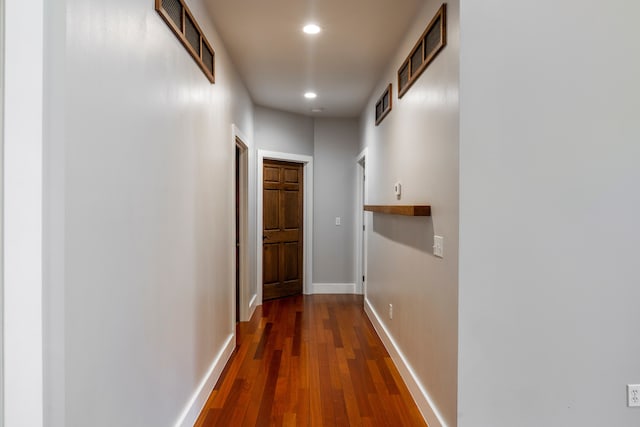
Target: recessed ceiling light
<point x="311" y="29"/>
<point x="317" y="110"/>
<point x="310" y="95"/>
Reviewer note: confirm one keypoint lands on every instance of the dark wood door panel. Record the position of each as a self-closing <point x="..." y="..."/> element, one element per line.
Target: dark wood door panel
<point x="291" y="250"/>
<point x="282" y="231"/>
<point x="291" y="176"/>
<point x="271" y="174"/>
<point x="291" y="209"/>
<point x="285" y="289"/>
<point x="271" y="209"/>
<point x="271" y="263"/>
<point x="275" y="236"/>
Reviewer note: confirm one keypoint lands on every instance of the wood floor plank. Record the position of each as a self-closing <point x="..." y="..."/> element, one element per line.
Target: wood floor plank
<point x="266" y="404"/>
<point x="359" y="387"/>
<point x="390" y="383"/>
<point x="310" y="361"/>
<point x="303" y="416"/>
<point x="297" y="335"/>
<point x="210" y="418"/>
<point x="315" y="395"/>
<point x="226" y="412"/>
<point x="283" y="382"/>
<point x="351" y="403"/>
<point x="339" y="408"/>
<point x="289" y="420"/>
<point x="263" y="341"/>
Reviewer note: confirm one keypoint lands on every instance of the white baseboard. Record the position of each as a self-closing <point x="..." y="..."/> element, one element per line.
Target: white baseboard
<point x="333" y="288"/>
<point x="252" y="305"/>
<point x="425" y="404"/>
<point x="196" y="403"/>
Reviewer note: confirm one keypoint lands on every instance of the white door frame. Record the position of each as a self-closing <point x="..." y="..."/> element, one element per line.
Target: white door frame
<point x="242" y="141"/>
<point x="307" y="162"/>
<point x="1" y="212"/>
<point x="361" y="233"/>
<point x="23" y="212"/>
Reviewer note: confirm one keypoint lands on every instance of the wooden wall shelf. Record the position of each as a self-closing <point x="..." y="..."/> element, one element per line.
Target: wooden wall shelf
<point x="407" y="210"/>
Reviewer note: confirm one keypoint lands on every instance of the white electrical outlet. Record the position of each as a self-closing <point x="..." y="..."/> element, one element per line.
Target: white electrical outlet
<point x="390" y="311"/>
<point x="338" y="220"/>
<point x="633" y="395"/>
<point x="438" y="246"/>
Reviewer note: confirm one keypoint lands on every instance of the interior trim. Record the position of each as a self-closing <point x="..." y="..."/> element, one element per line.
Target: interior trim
<point x="334" y="288"/>
<point x="192" y="410"/>
<point x="360" y="221"/>
<point x="422" y="398"/>
<point x="239" y="139"/>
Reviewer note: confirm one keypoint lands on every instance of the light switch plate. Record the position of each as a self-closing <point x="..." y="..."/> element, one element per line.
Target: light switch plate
<point x="438" y="246"/>
<point x="397" y="189"/>
<point x="338" y="220"/>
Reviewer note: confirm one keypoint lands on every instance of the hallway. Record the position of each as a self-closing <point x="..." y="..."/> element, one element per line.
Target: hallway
<point x="310" y="360"/>
<point x="515" y="303"/>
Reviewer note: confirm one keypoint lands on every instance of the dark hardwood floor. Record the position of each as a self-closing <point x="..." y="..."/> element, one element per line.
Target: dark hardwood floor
<point x="310" y="361"/>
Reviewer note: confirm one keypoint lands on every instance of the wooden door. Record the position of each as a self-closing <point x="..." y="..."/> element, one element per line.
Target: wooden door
<point x="282" y="246"/>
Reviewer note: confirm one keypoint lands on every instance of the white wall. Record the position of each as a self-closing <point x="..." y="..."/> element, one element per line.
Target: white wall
<point x="549" y="283"/>
<point x="417" y="144"/>
<point x="54" y="204"/>
<point x="335" y="150"/>
<point x="142" y="186"/>
<point x="22" y="216"/>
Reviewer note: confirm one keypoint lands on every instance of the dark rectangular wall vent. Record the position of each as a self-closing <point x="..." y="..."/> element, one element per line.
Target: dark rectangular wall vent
<point x="179" y="18"/>
<point x="384" y="105"/>
<point x="174" y="10"/>
<point x="192" y="34"/>
<point x="208" y="58"/>
<point x="431" y="42"/>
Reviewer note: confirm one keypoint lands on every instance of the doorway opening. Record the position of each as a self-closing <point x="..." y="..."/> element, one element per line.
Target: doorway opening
<point x="307" y="225"/>
<point x="361" y="225"/>
<point x="238" y="261"/>
<point x="1" y="213"/>
<point x="240" y="292"/>
<point x="282" y="229"/>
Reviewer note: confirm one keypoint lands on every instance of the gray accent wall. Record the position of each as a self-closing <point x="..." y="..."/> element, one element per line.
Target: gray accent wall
<point x="283" y="132"/>
<point x="335" y="150"/>
<point x="333" y="144"/>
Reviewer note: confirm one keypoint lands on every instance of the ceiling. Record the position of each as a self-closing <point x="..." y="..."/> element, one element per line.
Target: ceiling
<point x="342" y="64"/>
